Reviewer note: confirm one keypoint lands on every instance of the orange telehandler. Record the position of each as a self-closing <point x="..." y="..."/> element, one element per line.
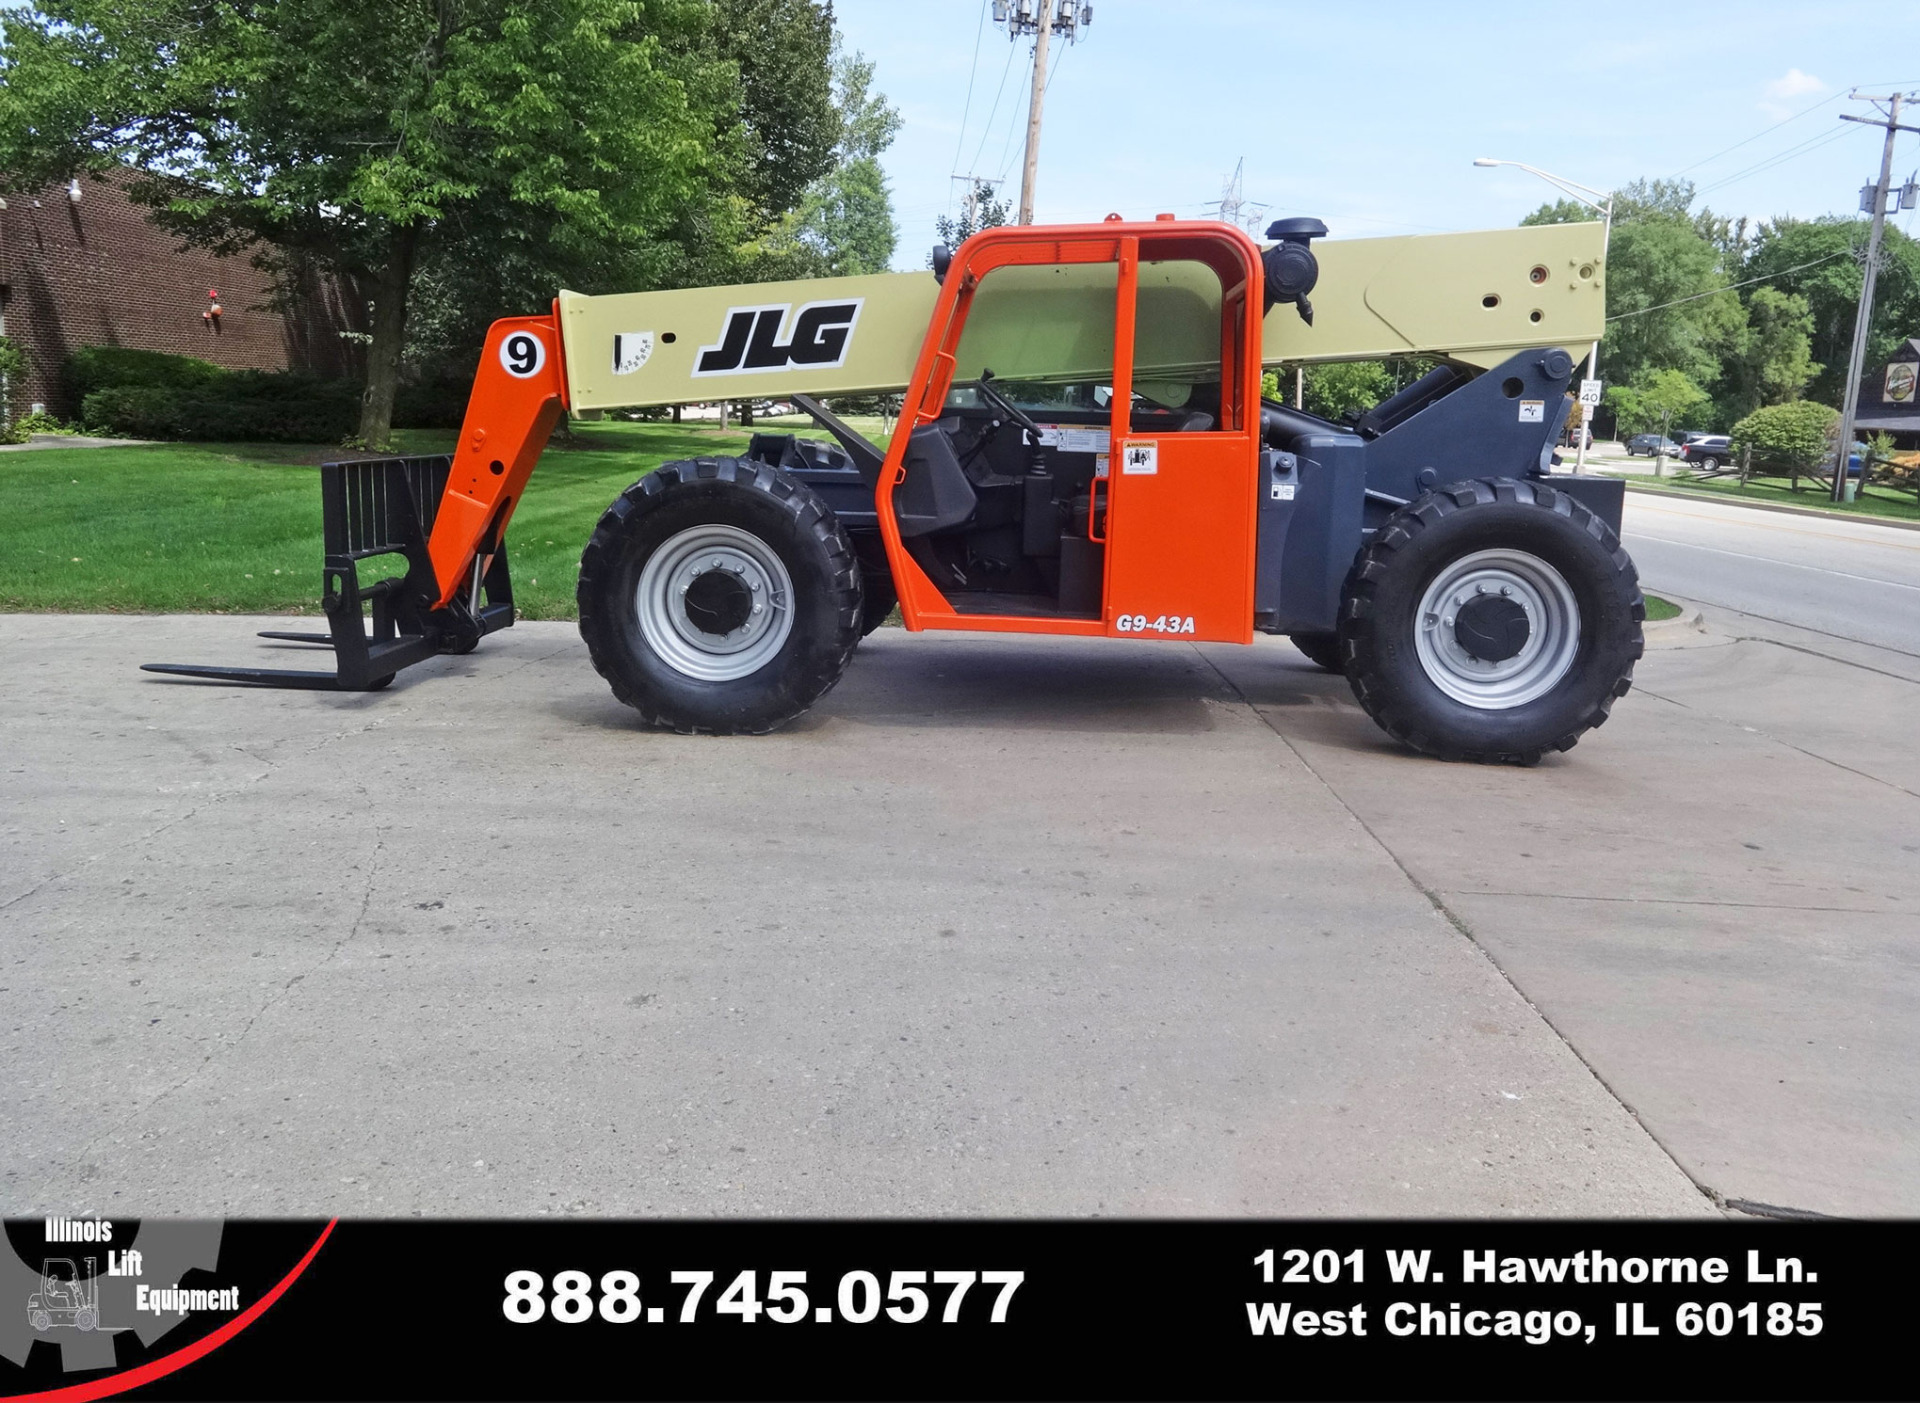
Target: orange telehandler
<point x="1082" y="449"/>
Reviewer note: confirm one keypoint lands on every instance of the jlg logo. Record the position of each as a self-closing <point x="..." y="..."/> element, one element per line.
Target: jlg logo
<point x="751" y="342"/>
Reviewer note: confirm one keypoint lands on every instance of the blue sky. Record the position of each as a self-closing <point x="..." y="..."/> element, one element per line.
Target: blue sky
<point x="1369" y="115"/>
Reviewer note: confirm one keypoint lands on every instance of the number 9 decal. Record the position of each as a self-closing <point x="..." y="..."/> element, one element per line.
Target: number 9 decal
<point x="522" y="354"/>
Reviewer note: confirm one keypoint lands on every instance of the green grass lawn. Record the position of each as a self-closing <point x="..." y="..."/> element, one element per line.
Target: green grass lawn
<point x="1875" y="501"/>
<point x="1659" y="610"/>
<point x="219" y="528"/>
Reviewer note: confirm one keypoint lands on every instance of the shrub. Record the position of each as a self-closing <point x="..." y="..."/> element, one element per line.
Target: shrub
<point x="149" y="394"/>
<point x="431" y="404"/>
<point x="117" y="367"/>
<point x="259" y="407"/>
<point x="1793" y="435"/>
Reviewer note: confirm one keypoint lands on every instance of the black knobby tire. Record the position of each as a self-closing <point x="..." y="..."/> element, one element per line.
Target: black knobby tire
<point x="781" y="515"/>
<point x="881" y="600"/>
<point x="1322" y="649"/>
<point x="1417" y="544"/>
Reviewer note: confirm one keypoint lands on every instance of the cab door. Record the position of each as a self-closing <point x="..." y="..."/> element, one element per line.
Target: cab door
<point x="1180" y="494"/>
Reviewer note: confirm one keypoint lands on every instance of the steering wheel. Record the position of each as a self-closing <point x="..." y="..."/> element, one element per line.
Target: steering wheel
<point x="1006" y="406"/>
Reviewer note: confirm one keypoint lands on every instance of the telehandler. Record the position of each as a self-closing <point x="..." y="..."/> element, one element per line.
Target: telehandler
<point x="1082" y="449"/>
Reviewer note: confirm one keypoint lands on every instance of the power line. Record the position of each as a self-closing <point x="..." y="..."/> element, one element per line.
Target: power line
<point x="967" y="109"/>
<point x="1756" y="136"/>
<point x="1749" y="282"/>
<point x="1811" y="144"/>
<point x="995" y="109"/>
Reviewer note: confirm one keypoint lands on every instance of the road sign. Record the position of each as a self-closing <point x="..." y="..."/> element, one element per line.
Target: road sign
<point x="1590" y="393"/>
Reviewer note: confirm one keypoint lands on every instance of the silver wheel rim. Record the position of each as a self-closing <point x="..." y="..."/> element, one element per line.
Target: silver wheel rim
<point x="661" y="603"/>
<point x="1553" y="620"/>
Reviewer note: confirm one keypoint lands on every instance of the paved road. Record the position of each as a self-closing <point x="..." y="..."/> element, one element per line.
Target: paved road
<point x="1848" y="579"/>
<point x="1005" y="926"/>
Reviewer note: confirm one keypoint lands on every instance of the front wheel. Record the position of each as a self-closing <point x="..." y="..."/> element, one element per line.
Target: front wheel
<point x="719" y="595"/>
<point x="1492" y="621"/>
<point x="1321" y="649"/>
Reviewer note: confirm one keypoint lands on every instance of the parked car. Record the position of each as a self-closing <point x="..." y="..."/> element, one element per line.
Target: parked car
<point x="1650" y="444"/>
<point x="1707" y="452"/>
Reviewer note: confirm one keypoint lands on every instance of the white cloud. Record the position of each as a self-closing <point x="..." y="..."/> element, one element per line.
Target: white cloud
<point x="1791" y="84"/>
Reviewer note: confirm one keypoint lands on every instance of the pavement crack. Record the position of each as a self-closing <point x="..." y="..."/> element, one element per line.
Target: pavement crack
<point x="222" y="1047"/>
<point x="1781" y="741"/>
<point x="1459" y="923"/>
<point x="1672" y="901"/>
<point x="245" y="784"/>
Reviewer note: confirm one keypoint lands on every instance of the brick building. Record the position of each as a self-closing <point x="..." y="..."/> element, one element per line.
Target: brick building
<point x="92" y="271"/>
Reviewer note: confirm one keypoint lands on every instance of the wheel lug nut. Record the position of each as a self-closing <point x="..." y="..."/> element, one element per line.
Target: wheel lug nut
<point x="758" y="608"/>
<point x="1505" y="593"/>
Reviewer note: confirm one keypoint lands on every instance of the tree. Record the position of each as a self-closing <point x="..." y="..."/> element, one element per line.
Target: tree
<point x="983" y="211"/>
<point x="1344" y="388"/>
<point x="1664" y="265"/>
<point x="771" y="116"/>
<point x="360" y="133"/>
<point x="844" y="224"/>
<point x="1775" y="360"/>
<point x="1830" y="286"/>
<point x="1655" y="400"/>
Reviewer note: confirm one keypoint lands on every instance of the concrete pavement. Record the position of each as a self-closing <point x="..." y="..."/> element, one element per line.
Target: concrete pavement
<point x="1005" y="926"/>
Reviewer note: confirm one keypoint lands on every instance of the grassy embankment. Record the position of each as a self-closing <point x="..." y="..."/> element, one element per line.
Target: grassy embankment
<point x="1874" y="501"/>
<point x="235" y="528"/>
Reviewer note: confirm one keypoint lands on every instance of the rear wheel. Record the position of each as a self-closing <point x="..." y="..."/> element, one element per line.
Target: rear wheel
<point x="1492" y="621"/>
<point x="719" y="595"/>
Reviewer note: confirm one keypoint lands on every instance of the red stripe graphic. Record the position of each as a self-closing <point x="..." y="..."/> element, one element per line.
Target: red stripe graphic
<point x="180" y="1358"/>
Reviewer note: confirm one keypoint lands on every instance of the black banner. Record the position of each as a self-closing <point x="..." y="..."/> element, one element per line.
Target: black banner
<point x="951" y="1310"/>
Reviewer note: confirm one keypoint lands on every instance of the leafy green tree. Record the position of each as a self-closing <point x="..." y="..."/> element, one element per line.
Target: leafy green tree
<point x="1796" y="435"/>
<point x="1664" y="266"/>
<point x="1344" y="388"/>
<point x="1782" y="251"/>
<point x="358" y="133"/>
<point x="772" y="114"/>
<point x="1774" y="362"/>
<point x="1656" y="400"/>
<point x="983" y="212"/>
<point x="844" y="224"/>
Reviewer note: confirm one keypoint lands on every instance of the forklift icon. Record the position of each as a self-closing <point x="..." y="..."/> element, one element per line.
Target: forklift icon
<point x="65" y="1297"/>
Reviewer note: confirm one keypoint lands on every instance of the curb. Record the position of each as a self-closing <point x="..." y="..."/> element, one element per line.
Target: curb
<point x="1687" y="621"/>
<point x="1819" y="513"/>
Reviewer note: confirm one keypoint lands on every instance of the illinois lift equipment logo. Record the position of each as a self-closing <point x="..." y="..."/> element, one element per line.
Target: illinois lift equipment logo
<point x="750" y="342"/>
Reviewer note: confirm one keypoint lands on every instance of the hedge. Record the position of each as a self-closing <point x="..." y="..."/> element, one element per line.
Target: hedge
<point x="314" y="412"/>
<point x="148" y="394"/>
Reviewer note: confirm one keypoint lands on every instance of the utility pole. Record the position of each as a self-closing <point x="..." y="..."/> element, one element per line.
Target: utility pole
<point x="1031" y="169"/>
<point x="1040" y="18"/>
<point x="1863" y="318"/>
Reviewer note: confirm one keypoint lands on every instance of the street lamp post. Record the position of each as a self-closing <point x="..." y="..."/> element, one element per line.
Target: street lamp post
<point x="1600" y="201"/>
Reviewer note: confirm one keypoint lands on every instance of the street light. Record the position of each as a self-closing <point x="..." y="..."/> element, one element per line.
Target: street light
<point x="1602" y="202"/>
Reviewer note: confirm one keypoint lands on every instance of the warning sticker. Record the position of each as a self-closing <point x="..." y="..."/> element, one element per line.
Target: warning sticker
<point x="1140" y="460"/>
<point x="1533" y="411"/>
<point x="1072" y="438"/>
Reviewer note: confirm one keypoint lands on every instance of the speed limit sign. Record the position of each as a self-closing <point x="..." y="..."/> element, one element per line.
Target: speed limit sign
<point x="522" y="354"/>
<point x="1590" y="393"/>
